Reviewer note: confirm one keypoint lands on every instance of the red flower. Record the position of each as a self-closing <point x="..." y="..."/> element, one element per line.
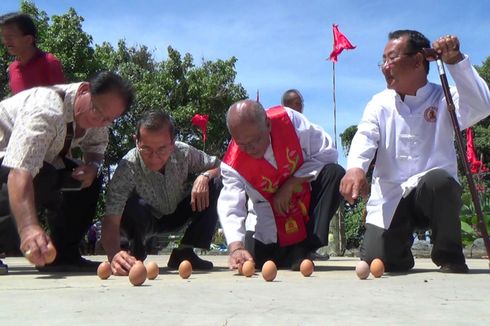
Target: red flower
<point x="201" y="121"/>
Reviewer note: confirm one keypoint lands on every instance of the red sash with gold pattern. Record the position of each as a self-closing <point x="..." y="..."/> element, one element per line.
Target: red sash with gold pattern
<point x="266" y="179"/>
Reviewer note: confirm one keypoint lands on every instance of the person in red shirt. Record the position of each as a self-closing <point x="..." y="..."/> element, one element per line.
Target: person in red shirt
<point x="32" y="67"/>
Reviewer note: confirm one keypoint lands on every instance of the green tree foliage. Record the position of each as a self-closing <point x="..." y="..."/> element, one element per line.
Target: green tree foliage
<point x="346" y="138"/>
<point x="4" y="79"/>
<point x="175" y="84"/>
<point x="63" y="36"/>
<point x="481" y="131"/>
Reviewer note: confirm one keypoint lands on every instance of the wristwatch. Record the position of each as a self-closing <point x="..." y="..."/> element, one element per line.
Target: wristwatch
<point x="206" y="174"/>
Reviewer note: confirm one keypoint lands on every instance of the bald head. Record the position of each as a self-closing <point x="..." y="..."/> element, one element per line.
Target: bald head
<point x="249" y="126"/>
<point x="246" y="112"/>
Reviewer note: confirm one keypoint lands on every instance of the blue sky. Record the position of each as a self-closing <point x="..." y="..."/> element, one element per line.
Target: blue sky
<point x="284" y="44"/>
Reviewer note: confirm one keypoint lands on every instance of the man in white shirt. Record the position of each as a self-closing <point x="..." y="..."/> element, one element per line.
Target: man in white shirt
<point x="38" y="127"/>
<point x="287" y="167"/>
<point x="293" y="99"/>
<point x="408" y="128"/>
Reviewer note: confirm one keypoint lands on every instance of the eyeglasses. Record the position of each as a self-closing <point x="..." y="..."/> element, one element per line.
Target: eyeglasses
<point x="392" y="58"/>
<point x="98" y="112"/>
<point x="160" y="151"/>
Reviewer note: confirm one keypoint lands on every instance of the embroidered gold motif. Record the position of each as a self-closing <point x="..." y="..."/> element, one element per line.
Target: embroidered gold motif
<point x="302" y="207"/>
<point x="291" y="226"/>
<point x="268" y="186"/>
<point x="293" y="159"/>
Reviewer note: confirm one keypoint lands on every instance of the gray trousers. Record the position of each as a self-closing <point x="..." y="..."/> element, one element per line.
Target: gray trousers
<point x="435" y="203"/>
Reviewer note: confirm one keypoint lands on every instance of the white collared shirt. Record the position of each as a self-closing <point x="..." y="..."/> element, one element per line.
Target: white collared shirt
<point x="413" y="136"/>
<point x="317" y="150"/>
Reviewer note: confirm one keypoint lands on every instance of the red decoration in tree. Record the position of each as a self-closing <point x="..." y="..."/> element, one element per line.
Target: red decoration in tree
<point x="201" y="121"/>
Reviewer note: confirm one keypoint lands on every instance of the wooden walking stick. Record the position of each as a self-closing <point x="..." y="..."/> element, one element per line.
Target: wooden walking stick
<point x="430" y="55"/>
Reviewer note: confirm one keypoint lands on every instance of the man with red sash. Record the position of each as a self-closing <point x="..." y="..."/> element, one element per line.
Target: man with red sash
<point x="286" y="168"/>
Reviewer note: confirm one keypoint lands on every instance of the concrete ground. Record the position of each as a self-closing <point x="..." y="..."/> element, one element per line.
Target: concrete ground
<point x="333" y="295"/>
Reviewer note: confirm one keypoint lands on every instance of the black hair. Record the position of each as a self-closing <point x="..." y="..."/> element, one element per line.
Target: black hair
<point x="23" y="22"/>
<point x="109" y="82"/>
<point x="285" y="96"/>
<point x="416" y="41"/>
<point x="156" y="121"/>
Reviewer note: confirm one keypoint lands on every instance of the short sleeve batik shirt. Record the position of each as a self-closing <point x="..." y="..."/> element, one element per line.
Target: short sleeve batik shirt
<point x="33" y="128"/>
<point x="163" y="191"/>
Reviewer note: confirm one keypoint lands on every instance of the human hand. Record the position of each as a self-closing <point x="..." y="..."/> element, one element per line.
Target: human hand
<point x="238" y="257"/>
<point x="353" y="184"/>
<point x="200" y="194"/>
<point x="86" y="174"/>
<point x="448" y="49"/>
<point x="34" y="244"/>
<point x="121" y="263"/>
<point x="282" y="197"/>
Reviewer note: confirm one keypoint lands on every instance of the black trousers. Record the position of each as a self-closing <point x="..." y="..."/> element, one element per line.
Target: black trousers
<point x="69" y="214"/>
<point x="435" y="203"/>
<point x="325" y="199"/>
<point x="139" y="223"/>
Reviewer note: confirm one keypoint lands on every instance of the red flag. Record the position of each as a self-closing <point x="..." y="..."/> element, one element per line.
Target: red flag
<point x="201" y="121"/>
<point x="340" y="43"/>
<point x="476" y="166"/>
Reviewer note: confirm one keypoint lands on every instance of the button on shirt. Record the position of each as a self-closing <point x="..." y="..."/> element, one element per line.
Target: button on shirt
<point x="234" y="216"/>
<point x="413" y="137"/>
<point x="162" y="191"/>
<point x="33" y="128"/>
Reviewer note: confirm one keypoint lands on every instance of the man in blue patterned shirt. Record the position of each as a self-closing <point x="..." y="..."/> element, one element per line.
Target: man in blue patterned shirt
<point x="150" y="193"/>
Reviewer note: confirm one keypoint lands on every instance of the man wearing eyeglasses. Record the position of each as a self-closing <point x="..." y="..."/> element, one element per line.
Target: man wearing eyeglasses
<point x="160" y="186"/>
<point x="415" y="183"/>
<point x="38" y="129"/>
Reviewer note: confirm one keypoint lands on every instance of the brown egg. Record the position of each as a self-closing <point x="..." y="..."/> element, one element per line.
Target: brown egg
<point x="104" y="270"/>
<point x="248" y="268"/>
<point x="306" y="268"/>
<point x="269" y="271"/>
<point x="50" y="254"/>
<point x="137" y="273"/>
<point x="185" y="269"/>
<point x="152" y="270"/>
<point x="377" y="267"/>
<point x="362" y="270"/>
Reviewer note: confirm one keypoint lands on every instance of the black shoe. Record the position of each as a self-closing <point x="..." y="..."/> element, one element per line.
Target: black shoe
<point x="80" y="265"/>
<point x="454" y="268"/>
<point x="180" y="254"/>
<point x="4" y="269"/>
<point x="317" y="256"/>
<point x="298" y="254"/>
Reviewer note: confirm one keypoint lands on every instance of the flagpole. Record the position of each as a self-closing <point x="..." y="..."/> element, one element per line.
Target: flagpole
<point x="334" y="109"/>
